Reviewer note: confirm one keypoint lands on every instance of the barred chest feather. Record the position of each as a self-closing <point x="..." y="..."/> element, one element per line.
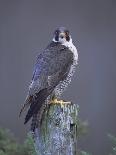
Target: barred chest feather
<point x="63" y="84"/>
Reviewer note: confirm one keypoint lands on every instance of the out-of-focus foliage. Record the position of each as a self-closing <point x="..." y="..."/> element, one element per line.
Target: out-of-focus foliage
<point x="113" y="139"/>
<point x="9" y="146"/>
<point x="29" y="145"/>
<point x="83" y="153"/>
<point x="82" y="128"/>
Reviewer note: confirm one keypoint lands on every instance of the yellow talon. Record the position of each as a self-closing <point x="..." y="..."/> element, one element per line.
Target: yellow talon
<point x="61" y="102"/>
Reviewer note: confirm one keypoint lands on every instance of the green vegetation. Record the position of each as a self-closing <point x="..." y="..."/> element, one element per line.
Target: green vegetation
<point x="84" y="153"/>
<point x="9" y="145"/>
<point x="113" y="140"/>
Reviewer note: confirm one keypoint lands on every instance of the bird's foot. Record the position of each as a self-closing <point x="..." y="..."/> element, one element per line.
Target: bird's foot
<point x="61" y="102"/>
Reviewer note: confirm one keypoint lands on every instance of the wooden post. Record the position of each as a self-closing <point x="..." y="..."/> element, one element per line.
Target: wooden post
<point x="57" y="134"/>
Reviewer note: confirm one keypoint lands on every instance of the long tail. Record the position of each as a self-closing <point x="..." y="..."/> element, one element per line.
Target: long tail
<point x="37" y="118"/>
<point x="28" y="101"/>
<point x="34" y="123"/>
<point x="38" y="101"/>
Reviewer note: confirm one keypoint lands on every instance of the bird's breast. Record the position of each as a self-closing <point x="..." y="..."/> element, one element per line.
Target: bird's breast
<point x="73" y="49"/>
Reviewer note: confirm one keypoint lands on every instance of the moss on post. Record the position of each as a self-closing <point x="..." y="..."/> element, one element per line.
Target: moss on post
<point x="57" y="134"/>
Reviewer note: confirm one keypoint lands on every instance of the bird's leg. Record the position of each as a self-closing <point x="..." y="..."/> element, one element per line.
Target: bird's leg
<point x="56" y="101"/>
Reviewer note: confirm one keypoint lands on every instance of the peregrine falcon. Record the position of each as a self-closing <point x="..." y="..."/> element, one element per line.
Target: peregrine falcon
<point x="52" y="73"/>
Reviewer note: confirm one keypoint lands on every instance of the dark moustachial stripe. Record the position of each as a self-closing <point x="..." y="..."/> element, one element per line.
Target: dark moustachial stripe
<point x="57" y="37"/>
<point x="53" y="70"/>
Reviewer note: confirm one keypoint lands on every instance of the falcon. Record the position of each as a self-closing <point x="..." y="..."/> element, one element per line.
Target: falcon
<point x="52" y="73"/>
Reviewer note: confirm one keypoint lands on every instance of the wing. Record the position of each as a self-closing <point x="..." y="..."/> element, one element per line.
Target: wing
<point x="52" y="66"/>
<point x="53" y="63"/>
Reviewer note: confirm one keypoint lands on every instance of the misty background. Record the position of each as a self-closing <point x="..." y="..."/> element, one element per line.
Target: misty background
<point x="26" y="28"/>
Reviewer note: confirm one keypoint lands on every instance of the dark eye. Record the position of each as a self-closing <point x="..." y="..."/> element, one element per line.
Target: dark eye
<point x="67" y="33"/>
<point x="56" y="32"/>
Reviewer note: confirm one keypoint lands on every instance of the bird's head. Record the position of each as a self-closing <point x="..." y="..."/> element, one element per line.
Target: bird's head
<point x="62" y="35"/>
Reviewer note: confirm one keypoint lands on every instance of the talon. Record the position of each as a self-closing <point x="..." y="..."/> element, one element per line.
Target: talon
<point x="61" y="102"/>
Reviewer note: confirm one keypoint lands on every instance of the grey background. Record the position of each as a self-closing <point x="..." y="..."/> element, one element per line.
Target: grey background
<point x="26" y="28"/>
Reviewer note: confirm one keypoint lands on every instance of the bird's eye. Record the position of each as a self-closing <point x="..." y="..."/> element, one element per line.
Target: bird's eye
<point x="67" y="33"/>
<point x="56" y="32"/>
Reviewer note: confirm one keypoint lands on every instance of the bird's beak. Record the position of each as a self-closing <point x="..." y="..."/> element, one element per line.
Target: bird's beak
<point x="62" y="35"/>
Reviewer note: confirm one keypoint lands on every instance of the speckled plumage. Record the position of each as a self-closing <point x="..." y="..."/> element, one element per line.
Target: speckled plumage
<point x="50" y="67"/>
<point x="52" y="73"/>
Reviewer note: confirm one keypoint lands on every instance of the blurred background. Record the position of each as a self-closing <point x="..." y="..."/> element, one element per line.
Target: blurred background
<point x="26" y="28"/>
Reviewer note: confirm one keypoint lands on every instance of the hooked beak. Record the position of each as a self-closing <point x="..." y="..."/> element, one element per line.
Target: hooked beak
<point x="62" y="35"/>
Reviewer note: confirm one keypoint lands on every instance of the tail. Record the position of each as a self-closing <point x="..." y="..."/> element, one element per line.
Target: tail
<point x="27" y="103"/>
<point x="37" y="118"/>
<point x="34" y="123"/>
<point x="38" y="101"/>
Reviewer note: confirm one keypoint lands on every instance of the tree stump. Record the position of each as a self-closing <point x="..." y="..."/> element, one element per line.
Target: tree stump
<point x="57" y="134"/>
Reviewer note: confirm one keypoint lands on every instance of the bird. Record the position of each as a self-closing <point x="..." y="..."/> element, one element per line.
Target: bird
<point x="52" y="73"/>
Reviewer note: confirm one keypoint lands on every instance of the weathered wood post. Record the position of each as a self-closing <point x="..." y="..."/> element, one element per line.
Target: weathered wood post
<point x="57" y="134"/>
